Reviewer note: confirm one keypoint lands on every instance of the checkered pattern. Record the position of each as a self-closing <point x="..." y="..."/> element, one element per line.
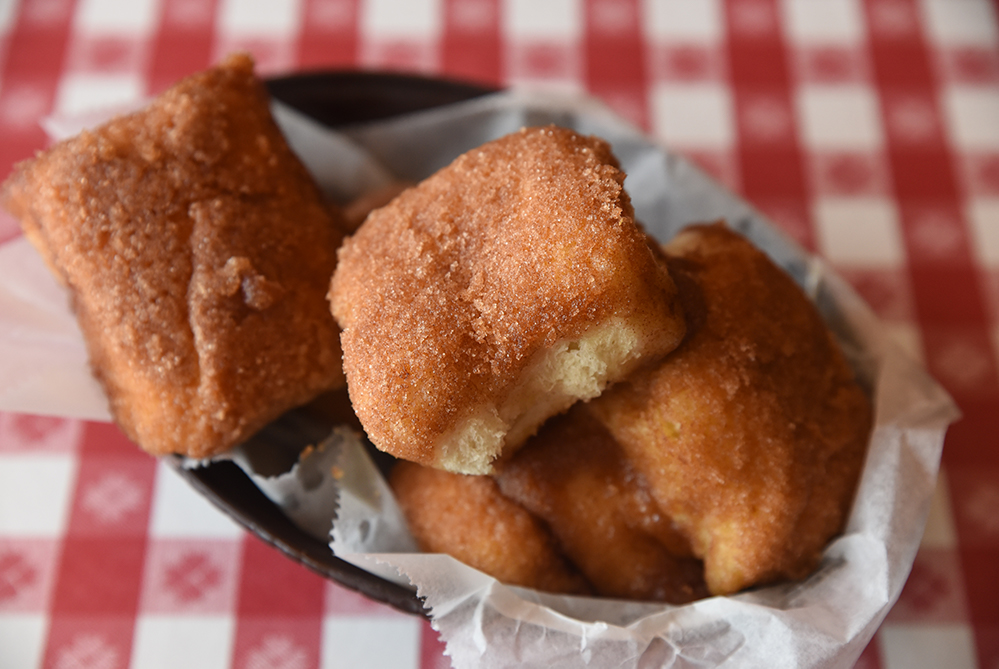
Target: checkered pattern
<point x="867" y="129"/>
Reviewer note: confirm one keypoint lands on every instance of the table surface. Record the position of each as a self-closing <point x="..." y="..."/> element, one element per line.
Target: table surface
<point x="867" y="129"/>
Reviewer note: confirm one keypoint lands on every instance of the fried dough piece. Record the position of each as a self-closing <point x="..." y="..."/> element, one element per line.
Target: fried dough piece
<point x="468" y="518"/>
<point x="493" y="295"/>
<point x="574" y="477"/>
<point x="197" y="251"/>
<point x="752" y="434"/>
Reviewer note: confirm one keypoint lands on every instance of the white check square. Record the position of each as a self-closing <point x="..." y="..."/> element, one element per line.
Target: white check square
<point x="8" y="14"/>
<point x="983" y="218"/>
<point x="904" y="646"/>
<point x="395" y="19"/>
<point x="823" y="21"/>
<point x="551" y="20"/>
<point x="684" y="20"/>
<point x="179" y="512"/>
<point x="860" y="231"/>
<point x="839" y="118"/>
<point x="696" y="115"/>
<point x="80" y="93"/>
<point x="960" y="22"/>
<point x="166" y="642"/>
<point x="22" y="638"/>
<point x="364" y="641"/>
<point x="35" y="493"/>
<point x="123" y="17"/>
<point x="262" y="18"/>
<point x="972" y="117"/>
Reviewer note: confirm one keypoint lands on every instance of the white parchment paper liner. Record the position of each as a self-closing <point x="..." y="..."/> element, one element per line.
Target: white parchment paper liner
<point x="824" y="621"/>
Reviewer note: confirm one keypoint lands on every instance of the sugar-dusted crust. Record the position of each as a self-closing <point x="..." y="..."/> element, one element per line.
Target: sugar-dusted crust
<point x="493" y="295"/>
<point x="197" y="251"/>
<point x="468" y="518"/>
<point x="752" y="434"/>
<point x="574" y="477"/>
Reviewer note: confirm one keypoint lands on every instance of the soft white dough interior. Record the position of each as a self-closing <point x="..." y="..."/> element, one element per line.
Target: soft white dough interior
<point x="473" y="444"/>
<point x="571" y="370"/>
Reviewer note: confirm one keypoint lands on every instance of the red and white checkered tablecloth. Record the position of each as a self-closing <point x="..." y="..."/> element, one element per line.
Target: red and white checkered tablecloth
<point x="868" y="129"/>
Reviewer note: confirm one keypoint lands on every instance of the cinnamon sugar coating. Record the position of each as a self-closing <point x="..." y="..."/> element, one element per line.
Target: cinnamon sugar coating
<point x="752" y="434"/>
<point x="574" y="477"/>
<point x="468" y="518"/>
<point x="197" y="251"/>
<point x="494" y="294"/>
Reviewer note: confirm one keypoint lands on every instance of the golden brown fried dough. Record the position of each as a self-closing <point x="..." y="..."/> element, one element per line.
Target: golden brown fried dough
<point x="468" y="518"/>
<point x="752" y="434"/>
<point x="197" y="251"/>
<point x="574" y="477"/>
<point x="493" y="295"/>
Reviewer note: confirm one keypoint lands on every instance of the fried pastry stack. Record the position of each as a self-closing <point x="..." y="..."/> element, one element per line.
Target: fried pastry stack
<point x="197" y="250"/>
<point x="742" y="448"/>
<point x="574" y="477"/>
<point x="711" y="433"/>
